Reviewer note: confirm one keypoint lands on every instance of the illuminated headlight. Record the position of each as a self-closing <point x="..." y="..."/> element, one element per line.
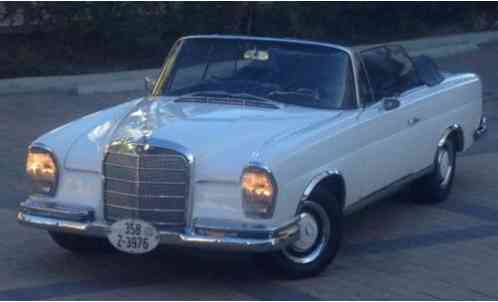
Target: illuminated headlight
<point x="42" y="170"/>
<point x="259" y="191"/>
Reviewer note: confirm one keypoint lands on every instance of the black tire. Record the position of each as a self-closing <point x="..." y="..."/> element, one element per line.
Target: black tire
<point x="300" y="263"/>
<point x="81" y="244"/>
<point x="435" y="187"/>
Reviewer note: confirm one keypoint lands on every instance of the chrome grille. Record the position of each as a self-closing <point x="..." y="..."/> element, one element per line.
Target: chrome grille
<point x="147" y="183"/>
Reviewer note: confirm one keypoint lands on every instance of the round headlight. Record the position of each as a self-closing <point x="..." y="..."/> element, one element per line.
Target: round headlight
<point x="41" y="167"/>
<point x="259" y="191"/>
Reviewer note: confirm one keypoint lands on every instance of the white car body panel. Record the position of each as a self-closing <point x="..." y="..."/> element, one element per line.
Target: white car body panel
<point x="370" y="147"/>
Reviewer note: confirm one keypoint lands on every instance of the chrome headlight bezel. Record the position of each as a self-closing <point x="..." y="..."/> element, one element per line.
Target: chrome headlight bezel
<point x="39" y="185"/>
<point x="254" y="205"/>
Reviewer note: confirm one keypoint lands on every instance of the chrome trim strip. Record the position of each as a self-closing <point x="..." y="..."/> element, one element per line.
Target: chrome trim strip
<point x="147" y="182"/>
<point x="146" y="155"/>
<point x="233" y="244"/>
<point x="137" y="168"/>
<point x="235" y="226"/>
<point x="356" y="76"/>
<point x="137" y="187"/>
<point x="307" y="42"/>
<point x="315" y="180"/>
<point x="217" y="181"/>
<point x="143" y="195"/>
<point x="169" y="224"/>
<point x="361" y="65"/>
<point x="160" y="224"/>
<point x="145" y="210"/>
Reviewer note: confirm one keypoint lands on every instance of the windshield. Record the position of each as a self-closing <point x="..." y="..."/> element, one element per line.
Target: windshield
<point x="260" y="70"/>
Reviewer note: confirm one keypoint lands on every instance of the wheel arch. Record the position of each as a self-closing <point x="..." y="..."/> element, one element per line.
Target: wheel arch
<point x="332" y="181"/>
<point x="453" y="132"/>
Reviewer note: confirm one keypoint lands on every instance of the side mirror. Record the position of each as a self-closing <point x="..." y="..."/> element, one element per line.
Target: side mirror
<point x="390" y="103"/>
<point x="149" y="85"/>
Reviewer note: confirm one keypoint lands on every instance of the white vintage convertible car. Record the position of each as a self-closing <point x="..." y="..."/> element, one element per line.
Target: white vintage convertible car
<point x="253" y="144"/>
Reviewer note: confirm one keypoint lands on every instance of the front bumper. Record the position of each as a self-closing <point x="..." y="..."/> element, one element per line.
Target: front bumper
<point x="218" y="234"/>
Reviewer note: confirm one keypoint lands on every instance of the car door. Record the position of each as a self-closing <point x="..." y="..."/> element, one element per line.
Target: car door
<point x="412" y="94"/>
<point x="388" y="145"/>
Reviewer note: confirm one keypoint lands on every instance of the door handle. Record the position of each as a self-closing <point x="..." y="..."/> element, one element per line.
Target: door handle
<point x="413" y="121"/>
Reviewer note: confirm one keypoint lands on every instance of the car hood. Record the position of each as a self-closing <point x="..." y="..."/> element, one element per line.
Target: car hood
<point x="220" y="136"/>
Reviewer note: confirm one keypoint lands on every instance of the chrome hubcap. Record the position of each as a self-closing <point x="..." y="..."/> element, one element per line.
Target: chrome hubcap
<point x="445" y="167"/>
<point x="314" y="235"/>
<point x="308" y="233"/>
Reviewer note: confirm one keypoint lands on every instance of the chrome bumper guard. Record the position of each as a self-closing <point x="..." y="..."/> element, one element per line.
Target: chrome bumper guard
<point x="203" y="234"/>
<point x="481" y="129"/>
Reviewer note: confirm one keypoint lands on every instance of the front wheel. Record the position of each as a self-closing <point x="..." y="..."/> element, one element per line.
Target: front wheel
<point x="81" y="244"/>
<point x="319" y="240"/>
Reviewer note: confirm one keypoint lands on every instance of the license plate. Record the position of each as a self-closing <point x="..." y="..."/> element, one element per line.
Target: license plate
<point x="133" y="236"/>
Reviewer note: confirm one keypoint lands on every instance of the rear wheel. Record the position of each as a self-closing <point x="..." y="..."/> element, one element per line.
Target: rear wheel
<point x="435" y="187"/>
<point x="319" y="240"/>
<point x="81" y="244"/>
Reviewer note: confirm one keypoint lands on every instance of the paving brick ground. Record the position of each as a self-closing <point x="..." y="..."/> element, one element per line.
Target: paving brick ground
<point x="393" y="250"/>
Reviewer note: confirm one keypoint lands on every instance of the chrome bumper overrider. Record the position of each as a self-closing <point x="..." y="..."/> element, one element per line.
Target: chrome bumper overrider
<point x="481" y="129"/>
<point x="208" y="233"/>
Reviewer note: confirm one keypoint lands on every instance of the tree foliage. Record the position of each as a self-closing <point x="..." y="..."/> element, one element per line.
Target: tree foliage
<point x="107" y="33"/>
